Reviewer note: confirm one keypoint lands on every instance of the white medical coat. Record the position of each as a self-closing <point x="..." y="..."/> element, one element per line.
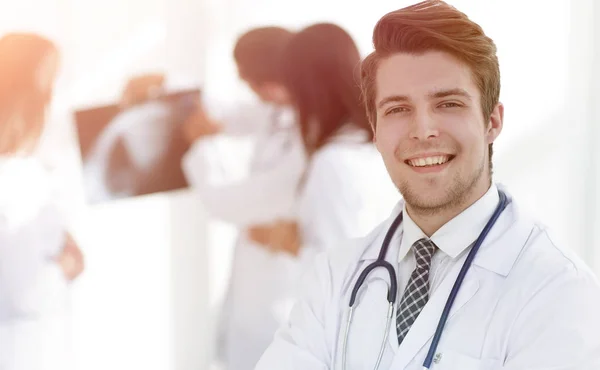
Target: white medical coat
<point x="345" y="193"/>
<point x="33" y="289"/>
<point x="39" y="196"/>
<point x="254" y="306"/>
<point x="525" y="304"/>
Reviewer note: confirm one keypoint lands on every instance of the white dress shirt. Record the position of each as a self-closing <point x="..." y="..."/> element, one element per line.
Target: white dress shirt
<point x="452" y="239"/>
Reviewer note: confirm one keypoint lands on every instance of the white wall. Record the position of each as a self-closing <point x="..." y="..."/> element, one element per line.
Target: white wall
<point x="579" y="129"/>
<point x="143" y="300"/>
<point x="593" y="140"/>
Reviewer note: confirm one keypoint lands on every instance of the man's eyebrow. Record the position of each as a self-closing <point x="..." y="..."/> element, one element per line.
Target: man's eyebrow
<point x="450" y="92"/>
<point x="392" y="99"/>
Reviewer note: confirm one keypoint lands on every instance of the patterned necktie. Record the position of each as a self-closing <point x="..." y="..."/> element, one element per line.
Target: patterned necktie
<point x="416" y="293"/>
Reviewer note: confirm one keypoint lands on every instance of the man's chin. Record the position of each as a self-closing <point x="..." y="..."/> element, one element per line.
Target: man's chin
<point x="425" y="200"/>
<point x="425" y="205"/>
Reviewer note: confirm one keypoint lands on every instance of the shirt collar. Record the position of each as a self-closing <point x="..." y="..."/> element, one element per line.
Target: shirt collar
<point x="457" y="234"/>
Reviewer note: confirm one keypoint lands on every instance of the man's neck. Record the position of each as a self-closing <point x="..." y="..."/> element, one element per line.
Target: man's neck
<point x="431" y="220"/>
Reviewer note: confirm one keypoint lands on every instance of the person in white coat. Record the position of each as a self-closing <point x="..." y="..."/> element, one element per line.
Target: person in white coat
<point x="256" y="301"/>
<point x="432" y="90"/>
<point x="345" y="190"/>
<point x="38" y="257"/>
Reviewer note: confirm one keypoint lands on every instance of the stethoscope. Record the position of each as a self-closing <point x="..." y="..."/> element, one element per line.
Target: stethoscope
<point x="393" y="289"/>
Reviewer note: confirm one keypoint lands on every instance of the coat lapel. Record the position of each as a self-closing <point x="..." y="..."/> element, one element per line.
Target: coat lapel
<point x="497" y="254"/>
<point x="426" y="324"/>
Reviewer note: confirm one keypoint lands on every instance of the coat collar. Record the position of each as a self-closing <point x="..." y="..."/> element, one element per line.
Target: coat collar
<point x="498" y="252"/>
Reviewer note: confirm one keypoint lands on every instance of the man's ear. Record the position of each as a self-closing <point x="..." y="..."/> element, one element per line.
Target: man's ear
<point x="495" y="123"/>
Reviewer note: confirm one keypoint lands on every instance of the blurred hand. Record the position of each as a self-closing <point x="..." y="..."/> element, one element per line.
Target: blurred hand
<point x="281" y="236"/>
<point x="260" y="234"/>
<point x="200" y="125"/>
<point x="285" y="237"/>
<point x="142" y="88"/>
<point x="71" y="259"/>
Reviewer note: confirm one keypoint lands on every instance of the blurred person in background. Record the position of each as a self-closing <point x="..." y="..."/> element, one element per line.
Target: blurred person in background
<point x="346" y="189"/>
<point x="258" y="296"/>
<point x="38" y="257"/>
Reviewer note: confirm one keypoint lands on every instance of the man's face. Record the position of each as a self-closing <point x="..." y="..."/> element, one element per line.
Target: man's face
<point x="430" y="129"/>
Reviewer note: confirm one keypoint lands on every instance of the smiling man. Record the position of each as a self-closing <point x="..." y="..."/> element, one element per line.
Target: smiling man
<point x="433" y="127"/>
<point x="458" y="277"/>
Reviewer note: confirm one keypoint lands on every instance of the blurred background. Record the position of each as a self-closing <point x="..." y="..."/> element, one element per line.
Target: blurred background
<point x="157" y="265"/>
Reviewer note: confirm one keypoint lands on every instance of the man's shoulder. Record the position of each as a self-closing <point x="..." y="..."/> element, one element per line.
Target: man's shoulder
<point x="543" y="254"/>
<point x="550" y="263"/>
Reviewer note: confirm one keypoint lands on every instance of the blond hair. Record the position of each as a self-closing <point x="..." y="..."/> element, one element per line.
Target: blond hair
<point x="23" y="100"/>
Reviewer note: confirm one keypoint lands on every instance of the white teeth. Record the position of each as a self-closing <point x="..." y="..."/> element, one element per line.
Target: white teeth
<point x="429" y="161"/>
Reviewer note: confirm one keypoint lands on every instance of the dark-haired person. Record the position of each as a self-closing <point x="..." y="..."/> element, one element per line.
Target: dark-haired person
<point x="345" y="190"/>
<point x="457" y="277"/>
